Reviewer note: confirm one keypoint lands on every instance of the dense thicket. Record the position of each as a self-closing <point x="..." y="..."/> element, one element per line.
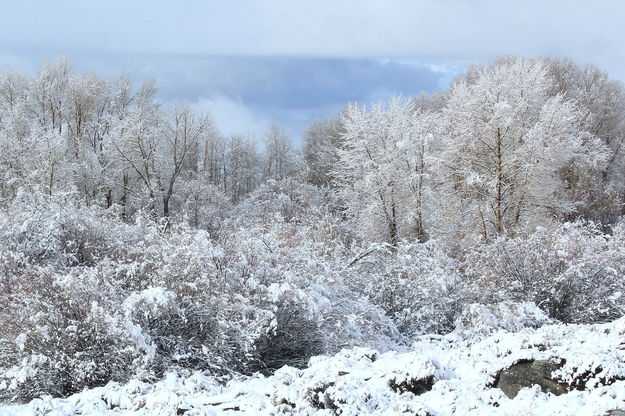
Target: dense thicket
<point x="135" y="239"/>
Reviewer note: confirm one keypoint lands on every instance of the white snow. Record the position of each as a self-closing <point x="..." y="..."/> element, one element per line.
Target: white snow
<point x="361" y="381"/>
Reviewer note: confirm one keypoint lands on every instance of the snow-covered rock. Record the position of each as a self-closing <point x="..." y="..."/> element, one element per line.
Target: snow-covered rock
<point x="528" y="373"/>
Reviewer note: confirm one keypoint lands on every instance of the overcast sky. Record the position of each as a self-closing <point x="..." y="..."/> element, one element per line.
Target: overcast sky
<point x="250" y="62"/>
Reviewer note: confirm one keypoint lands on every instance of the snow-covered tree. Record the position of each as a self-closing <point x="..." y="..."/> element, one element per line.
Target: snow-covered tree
<point x="279" y="157"/>
<point x="322" y="140"/>
<point x="602" y="101"/>
<point x="507" y="147"/>
<point x="384" y="169"/>
<point x="241" y="167"/>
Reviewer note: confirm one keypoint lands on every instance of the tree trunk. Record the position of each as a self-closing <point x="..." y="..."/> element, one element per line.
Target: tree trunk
<point x="499" y="186"/>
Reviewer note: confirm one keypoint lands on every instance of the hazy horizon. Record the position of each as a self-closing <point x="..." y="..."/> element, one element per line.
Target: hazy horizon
<point x="250" y="63"/>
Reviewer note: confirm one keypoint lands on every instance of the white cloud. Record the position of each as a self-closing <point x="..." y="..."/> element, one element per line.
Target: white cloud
<point x="589" y="31"/>
<point x="232" y="116"/>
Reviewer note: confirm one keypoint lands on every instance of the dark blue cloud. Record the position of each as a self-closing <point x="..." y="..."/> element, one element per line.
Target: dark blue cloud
<point x="274" y="82"/>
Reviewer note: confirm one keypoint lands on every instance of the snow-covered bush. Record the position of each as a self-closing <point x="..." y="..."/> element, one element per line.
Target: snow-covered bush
<point x="285" y="270"/>
<point x="302" y="207"/>
<point x="201" y="204"/>
<point x="289" y="199"/>
<point x="507" y="316"/>
<point x="288" y="241"/>
<point x="60" y="327"/>
<point x="574" y="272"/>
<point x="87" y="299"/>
<point x="62" y="335"/>
<point x="86" y="294"/>
<point x="418" y="285"/>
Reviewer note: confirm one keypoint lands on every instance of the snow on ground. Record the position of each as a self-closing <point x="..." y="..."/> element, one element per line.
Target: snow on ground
<point x="459" y="371"/>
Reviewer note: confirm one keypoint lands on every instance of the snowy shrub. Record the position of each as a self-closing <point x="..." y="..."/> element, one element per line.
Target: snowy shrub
<point x="508" y="316"/>
<point x="314" y="311"/>
<point x="59" y="232"/>
<point x="573" y="272"/>
<point x="201" y="204"/>
<point x="290" y="199"/>
<point x="418" y="285"/>
<point x="61" y="326"/>
<point x="313" y="213"/>
<point x="89" y="299"/>
<point x="62" y="335"/>
<point x="192" y="303"/>
<point x="146" y="298"/>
